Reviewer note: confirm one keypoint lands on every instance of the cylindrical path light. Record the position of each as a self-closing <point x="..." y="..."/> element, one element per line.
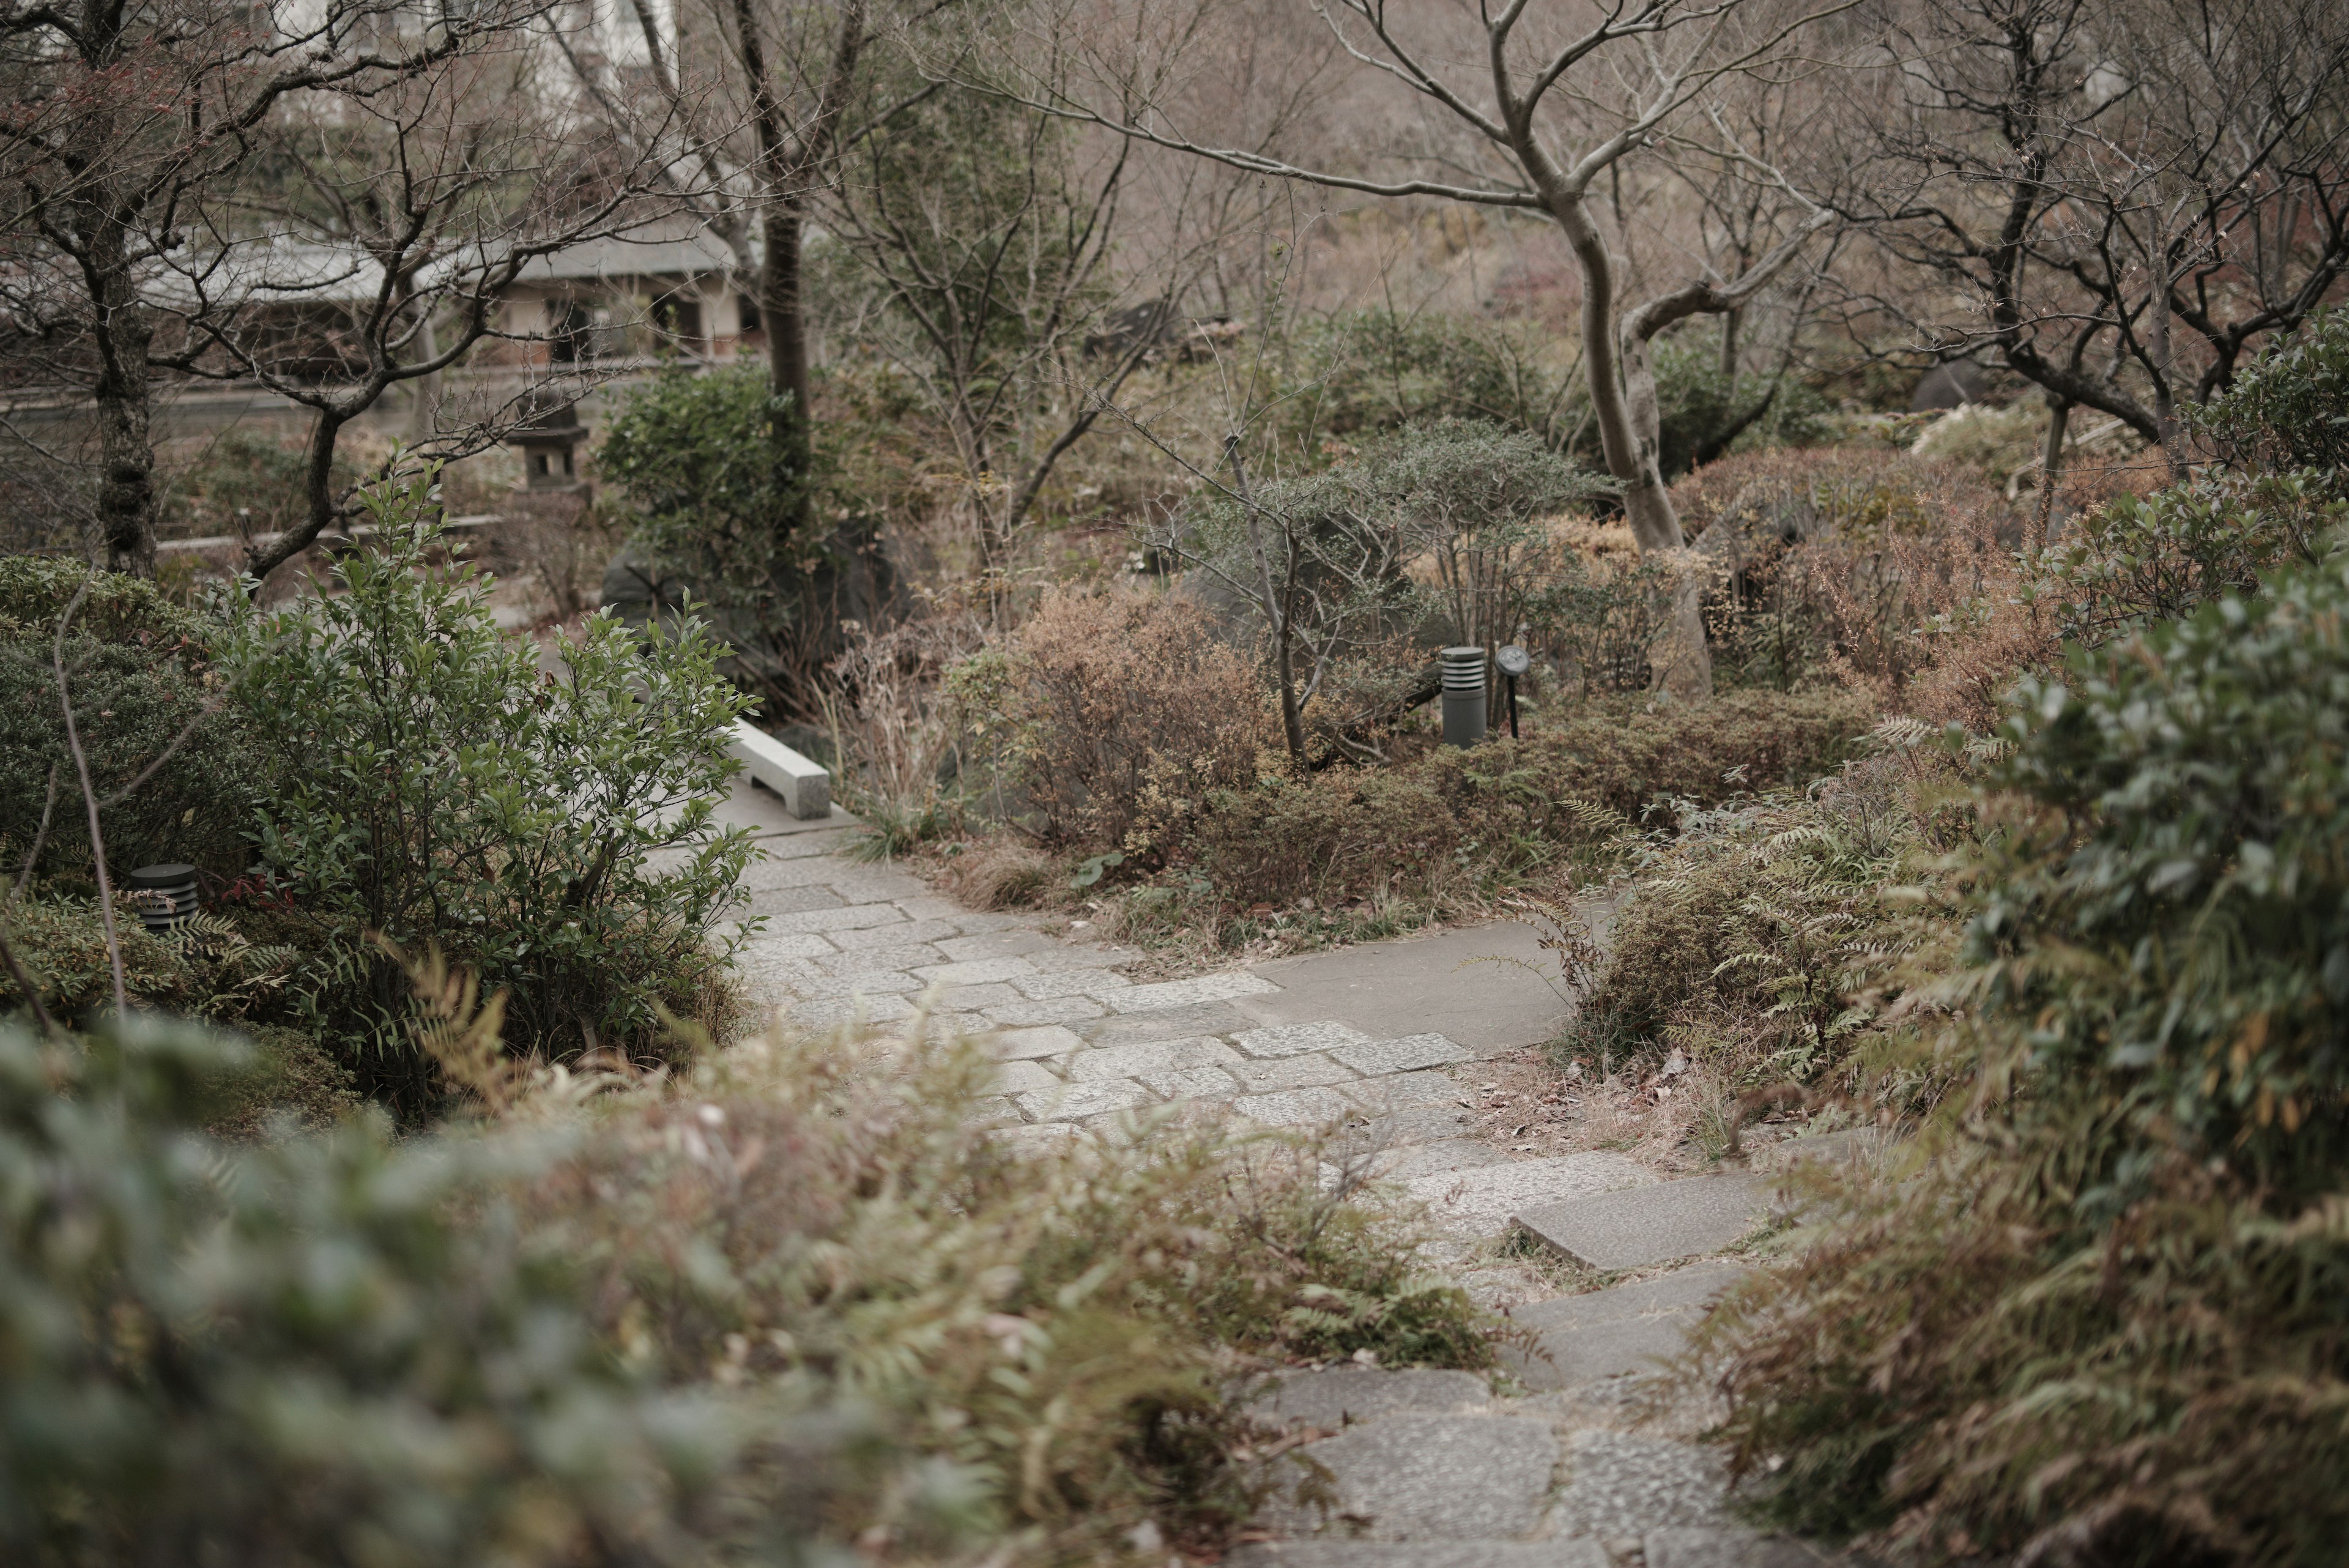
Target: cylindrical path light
<point x="1463" y="695"/>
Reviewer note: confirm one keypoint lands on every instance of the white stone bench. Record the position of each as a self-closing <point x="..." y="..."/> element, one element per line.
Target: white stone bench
<point x="805" y="787"/>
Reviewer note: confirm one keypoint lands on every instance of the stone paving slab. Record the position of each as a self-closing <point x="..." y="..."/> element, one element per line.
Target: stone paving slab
<point x="1045" y="985"/>
<point x="1399" y="1089"/>
<point x="1061" y="1010"/>
<point x="1621" y="1485"/>
<point x="1342" y="1396"/>
<point x="1429" y="984"/>
<point x="1297" y="1038"/>
<point x="1166" y="1024"/>
<point x="1657" y="1224"/>
<point x="1153" y="1056"/>
<point x="1420" y="1555"/>
<point x="1293" y="1107"/>
<point x="1477" y="1203"/>
<point x="1419" y="1477"/>
<point x="1076" y="1102"/>
<point x="1289" y="1072"/>
<point x="1738" y="1548"/>
<point x="1444" y="1154"/>
<point x="1191" y="1083"/>
<point x="1407" y="1054"/>
<point x="1606" y="1334"/>
<point x="1019" y="1044"/>
<point x="775" y="902"/>
<point x="1221" y="987"/>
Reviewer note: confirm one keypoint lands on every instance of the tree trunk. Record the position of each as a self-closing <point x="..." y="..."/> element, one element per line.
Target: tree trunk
<point x="126" y="486"/>
<point x="2051" y="466"/>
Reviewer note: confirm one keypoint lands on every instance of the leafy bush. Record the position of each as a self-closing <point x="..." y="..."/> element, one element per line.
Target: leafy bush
<point x="300" y="1353"/>
<point x="1106" y="707"/>
<point x="798" y="1298"/>
<point x="140" y="671"/>
<point x="2105" y="1323"/>
<point x="709" y="459"/>
<point x="440" y="788"/>
<point x="2289" y="408"/>
<point x="2134" y="562"/>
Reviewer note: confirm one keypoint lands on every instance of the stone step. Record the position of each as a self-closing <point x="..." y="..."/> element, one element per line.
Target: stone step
<point x="1478" y="1202"/>
<point x="1640" y="1227"/>
<point x="1414" y="1476"/>
<point x="1346" y="1396"/>
<point x="1606" y="1334"/>
<point x="1583" y="1553"/>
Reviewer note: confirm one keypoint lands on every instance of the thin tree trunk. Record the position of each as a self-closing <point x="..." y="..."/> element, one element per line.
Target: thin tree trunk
<point x="125" y="485"/>
<point x="1275" y="610"/>
<point x="2050" y="467"/>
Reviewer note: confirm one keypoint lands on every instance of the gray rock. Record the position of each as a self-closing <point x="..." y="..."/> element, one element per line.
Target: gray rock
<point x="1420" y="1555"/>
<point x="1344" y="1395"/>
<point x="1946" y="386"/>
<point x="1649" y="1225"/>
<point x="1415" y="1477"/>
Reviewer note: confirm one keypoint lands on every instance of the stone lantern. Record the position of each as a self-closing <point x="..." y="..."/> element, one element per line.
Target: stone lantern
<point x="550" y="447"/>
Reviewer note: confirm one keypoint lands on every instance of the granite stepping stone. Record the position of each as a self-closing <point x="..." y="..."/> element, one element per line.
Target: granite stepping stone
<point x="1420" y="1477"/>
<point x="1662" y="1223"/>
<point x="1577" y="1554"/>
<point x="1479" y="1202"/>
<point x="1343" y="1396"/>
<point x="1606" y="1334"/>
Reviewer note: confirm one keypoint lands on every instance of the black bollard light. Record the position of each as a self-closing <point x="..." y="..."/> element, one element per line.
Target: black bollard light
<point x="166" y="896"/>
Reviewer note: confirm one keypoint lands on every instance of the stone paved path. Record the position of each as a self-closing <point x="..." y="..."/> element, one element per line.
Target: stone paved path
<point x="1429" y="1469"/>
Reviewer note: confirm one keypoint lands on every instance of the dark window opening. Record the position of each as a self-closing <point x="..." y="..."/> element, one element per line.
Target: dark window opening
<point x="572" y="331"/>
<point x="746" y="311"/>
<point x="678" y="319"/>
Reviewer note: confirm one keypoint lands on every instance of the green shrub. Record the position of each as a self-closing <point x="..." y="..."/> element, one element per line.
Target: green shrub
<point x="440" y="788"/>
<point x="796" y="1298"/>
<point x="2104" y="1321"/>
<point x="60" y="941"/>
<point x="140" y="669"/>
<point x="709" y="459"/>
<point x="2136" y="561"/>
<point x="2289" y="408"/>
<point x="301" y="1353"/>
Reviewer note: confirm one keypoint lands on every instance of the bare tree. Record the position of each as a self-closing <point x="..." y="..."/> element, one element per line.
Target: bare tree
<point x="125" y="112"/>
<point x="2119" y="195"/>
<point x="415" y="202"/>
<point x="1002" y="273"/>
<point x="1552" y="104"/>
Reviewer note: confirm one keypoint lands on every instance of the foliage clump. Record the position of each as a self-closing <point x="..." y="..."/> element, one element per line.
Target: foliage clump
<point x="796" y="1299"/>
<point x="2100" y="1322"/>
<point x="549" y="828"/>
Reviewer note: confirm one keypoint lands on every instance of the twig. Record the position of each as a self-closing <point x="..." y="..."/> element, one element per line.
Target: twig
<point x="89" y="800"/>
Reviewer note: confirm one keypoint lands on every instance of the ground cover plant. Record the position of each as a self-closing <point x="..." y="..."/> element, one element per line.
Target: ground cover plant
<point x="797" y="1301"/>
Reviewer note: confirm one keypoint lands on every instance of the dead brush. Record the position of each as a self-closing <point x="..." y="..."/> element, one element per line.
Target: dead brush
<point x="897" y="729"/>
<point x="1056" y="1330"/>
